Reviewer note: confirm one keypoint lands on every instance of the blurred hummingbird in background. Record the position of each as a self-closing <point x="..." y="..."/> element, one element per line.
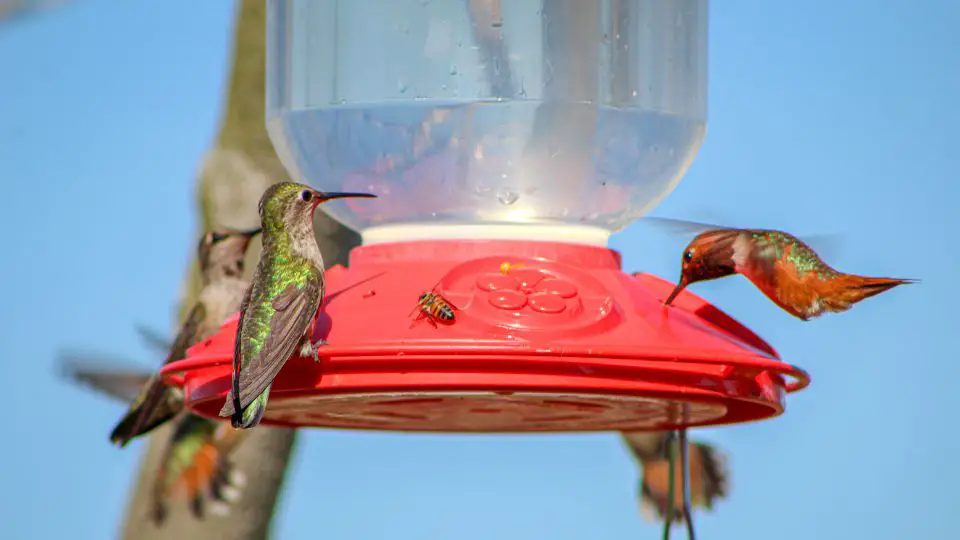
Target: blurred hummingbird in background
<point x="194" y="463"/>
<point x="220" y="255"/>
<point x="781" y="265"/>
<point x="278" y="314"/>
<point x="709" y="478"/>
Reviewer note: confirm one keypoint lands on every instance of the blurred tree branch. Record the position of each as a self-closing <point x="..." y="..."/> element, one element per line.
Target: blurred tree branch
<point x="235" y="172"/>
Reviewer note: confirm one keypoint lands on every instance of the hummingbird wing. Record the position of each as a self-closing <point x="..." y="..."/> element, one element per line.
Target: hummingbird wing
<point x="152" y="338"/>
<point x="824" y="243"/>
<point x="708" y="474"/>
<point x="261" y="359"/>
<point x="645" y="444"/>
<point x="681" y="226"/>
<point x="157" y="402"/>
<point x="122" y="384"/>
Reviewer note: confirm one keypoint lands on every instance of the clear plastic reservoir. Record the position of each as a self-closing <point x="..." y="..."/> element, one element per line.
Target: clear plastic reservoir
<point x="488" y="118"/>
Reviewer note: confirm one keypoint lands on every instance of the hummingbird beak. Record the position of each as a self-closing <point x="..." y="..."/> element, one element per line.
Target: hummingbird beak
<point x="323" y="197"/>
<point x="251" y="234"/>
<point x="680" y="286"/>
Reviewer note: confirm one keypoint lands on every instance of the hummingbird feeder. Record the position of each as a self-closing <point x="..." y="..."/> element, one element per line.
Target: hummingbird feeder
<point x="505" y="143"/>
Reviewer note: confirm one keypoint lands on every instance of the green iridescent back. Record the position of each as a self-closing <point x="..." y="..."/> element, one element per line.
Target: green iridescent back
<point x="778" y="245"/>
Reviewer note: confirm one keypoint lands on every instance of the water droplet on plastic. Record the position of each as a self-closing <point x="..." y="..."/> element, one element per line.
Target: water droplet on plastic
<point x="507" y="196"/>
<point x="634" y="93"/>
<point x="402" y="85"/>
<point x="443" y="87"/>
<point x="453" y="69"/>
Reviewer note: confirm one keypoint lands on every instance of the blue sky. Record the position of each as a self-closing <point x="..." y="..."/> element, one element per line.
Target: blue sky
<point x="825" y="117"/>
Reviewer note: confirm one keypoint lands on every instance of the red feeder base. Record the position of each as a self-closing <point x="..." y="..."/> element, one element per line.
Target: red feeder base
<point x="558" y="339"/>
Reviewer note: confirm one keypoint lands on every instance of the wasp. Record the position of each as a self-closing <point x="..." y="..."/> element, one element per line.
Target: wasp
<point x="435" y="308"/>
<point x="506" y="267"/>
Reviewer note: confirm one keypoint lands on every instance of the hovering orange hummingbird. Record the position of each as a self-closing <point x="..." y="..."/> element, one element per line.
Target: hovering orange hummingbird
<point x="195" y="464"/>
<point x="782" y="266"/>
<point x="708" y="474"/>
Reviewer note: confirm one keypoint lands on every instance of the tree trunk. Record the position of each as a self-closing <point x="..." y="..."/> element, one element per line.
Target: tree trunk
<point x="234" y="174"/>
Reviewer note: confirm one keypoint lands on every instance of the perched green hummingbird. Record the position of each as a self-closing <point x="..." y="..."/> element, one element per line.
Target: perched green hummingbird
<point x="220" y="254"/>
<point x="709" y="478"/>
<point x="194" y="464"/>
<point x="278" y="314"/>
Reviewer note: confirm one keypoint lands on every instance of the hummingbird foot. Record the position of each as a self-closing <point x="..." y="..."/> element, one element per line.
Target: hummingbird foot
<point x="312" y="350"/>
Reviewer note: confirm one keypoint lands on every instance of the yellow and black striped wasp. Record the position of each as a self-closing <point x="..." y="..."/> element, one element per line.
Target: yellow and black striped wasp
<point x="433" y="307"/>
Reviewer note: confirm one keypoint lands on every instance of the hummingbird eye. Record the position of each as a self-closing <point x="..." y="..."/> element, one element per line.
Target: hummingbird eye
<point x="688" y="255"/>
<point x="306" y="196"/>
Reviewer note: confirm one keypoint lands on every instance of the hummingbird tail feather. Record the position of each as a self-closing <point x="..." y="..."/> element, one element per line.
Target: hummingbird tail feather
<point x="253" y="413"/>
<point x="141" y="420"/>
<point x="858" y="288"/>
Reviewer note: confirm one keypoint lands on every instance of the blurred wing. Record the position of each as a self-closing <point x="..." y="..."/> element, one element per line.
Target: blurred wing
<point x="709" y="482"/>
<point x="294" y="310"/>
<point x="713" y="476"/>
<point x="152" y="338"/>
<point x="157" y="403"/>
<point x="15" y="9"/>
<point x="826" y="245"/>
<point x="119" y="383"/>
<point x="645" y="444"/>
<point x="681" y="227"/>
<point x="189" y="333"/>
